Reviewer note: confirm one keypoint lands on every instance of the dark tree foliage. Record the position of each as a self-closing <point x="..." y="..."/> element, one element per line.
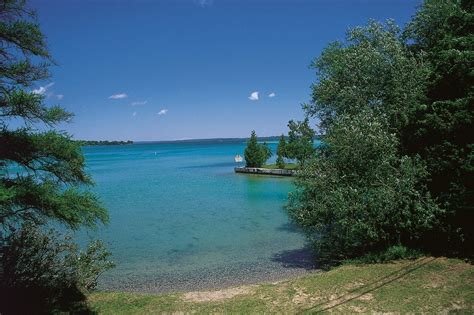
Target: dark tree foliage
<point x="49" y="271"/>
<point x="42" y="179"/>
<point x="442" y="132"/>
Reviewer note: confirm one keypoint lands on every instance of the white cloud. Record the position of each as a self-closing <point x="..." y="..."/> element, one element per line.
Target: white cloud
<point x="272" y="94"/>
<point x="134" y="114"/>
<point x="42" y="89"/>
<point x="254" y="96"/>
<point x="118" y="96"/>
<point x="138" y="103"/>
<point x="163" y="111"/>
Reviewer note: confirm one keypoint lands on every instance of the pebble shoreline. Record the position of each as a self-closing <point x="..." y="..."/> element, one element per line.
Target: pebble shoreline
<point x="214" y="278"/>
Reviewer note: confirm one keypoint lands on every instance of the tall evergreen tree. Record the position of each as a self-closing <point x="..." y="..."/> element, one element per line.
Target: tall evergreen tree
<point x="42" y="177"/>
<point x="41" y="170"/>
<point x="254" y="155"/>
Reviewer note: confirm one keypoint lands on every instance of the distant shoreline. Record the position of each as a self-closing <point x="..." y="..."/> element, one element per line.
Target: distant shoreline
<point x="205" y="140"/>
<point x="228" y="140"/>
<point x="102" y="142"/>
<point x="210" y="140"/>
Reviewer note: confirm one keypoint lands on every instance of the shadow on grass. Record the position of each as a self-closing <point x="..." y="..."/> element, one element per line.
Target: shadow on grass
<point x="369" y="287"/>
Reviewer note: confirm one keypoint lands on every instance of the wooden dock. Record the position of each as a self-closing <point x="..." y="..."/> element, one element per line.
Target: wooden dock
<point x="264" y="171"/>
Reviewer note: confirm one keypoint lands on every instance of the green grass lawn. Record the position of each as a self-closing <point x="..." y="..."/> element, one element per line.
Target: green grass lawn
<point x="426" y="285"/>
<point x="289" y="166"/>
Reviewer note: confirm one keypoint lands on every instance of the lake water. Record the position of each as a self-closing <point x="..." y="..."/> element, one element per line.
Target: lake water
<point x="181" y="219"/>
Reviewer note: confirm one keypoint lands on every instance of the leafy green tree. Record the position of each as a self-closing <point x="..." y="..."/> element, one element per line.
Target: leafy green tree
<point x="266" y="151"/>
<point x="254" y="154"/>
<point x="300" y="141"/>
<point x="42" y="175"/>
<point x="442" y="132"/>
<point x="281" y="152"/>
<point x="358" y="195"/>
<point x="373" y="69"/>
<point x="362" y="192"/>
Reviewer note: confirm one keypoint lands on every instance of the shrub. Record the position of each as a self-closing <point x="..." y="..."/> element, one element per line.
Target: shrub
<point x="358" y="195"/>
<point x="48" y="271"/>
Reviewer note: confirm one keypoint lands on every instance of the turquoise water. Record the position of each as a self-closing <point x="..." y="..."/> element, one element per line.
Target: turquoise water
<point x="181" y="219"/>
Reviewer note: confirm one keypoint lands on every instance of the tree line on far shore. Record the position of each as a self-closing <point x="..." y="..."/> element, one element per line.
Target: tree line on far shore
<point x="102" y="142"/>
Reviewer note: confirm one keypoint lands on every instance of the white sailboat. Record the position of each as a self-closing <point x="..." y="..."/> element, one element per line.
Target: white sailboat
<point x="238" y="159"/>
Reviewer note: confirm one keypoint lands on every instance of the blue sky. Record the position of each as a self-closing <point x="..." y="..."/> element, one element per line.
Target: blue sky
<point x="166" y="70"/>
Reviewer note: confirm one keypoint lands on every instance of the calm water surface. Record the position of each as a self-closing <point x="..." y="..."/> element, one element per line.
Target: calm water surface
<point x="181" y="219"/>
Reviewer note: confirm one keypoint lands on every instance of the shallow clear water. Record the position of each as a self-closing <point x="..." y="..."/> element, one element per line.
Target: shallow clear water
<point x="180" y="218"/>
